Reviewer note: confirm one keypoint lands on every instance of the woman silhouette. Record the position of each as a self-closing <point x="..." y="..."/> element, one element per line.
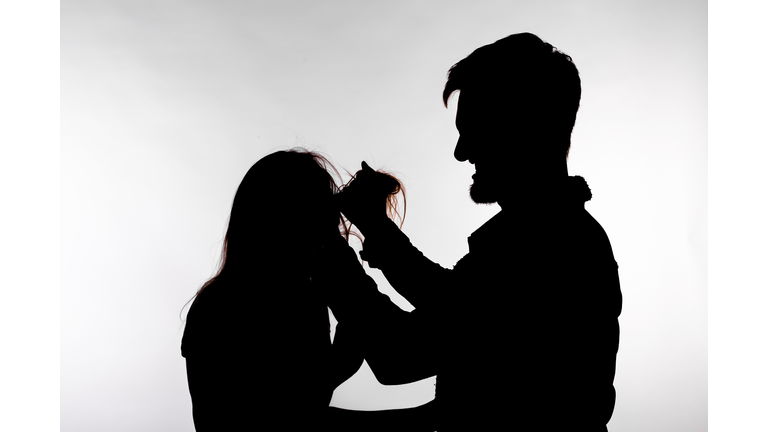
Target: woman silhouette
<point x="256" y="342"/>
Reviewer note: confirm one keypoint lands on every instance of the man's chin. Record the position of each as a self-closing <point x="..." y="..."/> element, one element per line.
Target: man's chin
<point x="482" y="195"/>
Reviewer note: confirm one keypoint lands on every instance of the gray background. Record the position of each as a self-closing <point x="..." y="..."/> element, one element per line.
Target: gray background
<point x="166" y="104"/>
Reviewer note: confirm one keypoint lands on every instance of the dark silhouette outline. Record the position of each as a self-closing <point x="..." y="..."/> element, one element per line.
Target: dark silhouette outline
<point x="523" y="332"/>
<point x="256" y="341"/>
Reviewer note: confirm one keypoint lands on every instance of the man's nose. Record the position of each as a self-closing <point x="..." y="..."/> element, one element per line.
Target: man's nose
<point x="461" y="151"/>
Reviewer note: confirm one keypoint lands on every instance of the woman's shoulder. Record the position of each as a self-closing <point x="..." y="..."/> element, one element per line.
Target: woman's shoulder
<point x="230" y="310"/>
<point x="214" y="317"/>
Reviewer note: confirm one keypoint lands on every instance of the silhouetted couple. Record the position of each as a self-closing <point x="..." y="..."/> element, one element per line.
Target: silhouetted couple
<point x="522" y="333"/>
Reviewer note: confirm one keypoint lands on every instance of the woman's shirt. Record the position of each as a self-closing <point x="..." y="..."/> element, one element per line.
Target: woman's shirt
<point x="258" y="353"/>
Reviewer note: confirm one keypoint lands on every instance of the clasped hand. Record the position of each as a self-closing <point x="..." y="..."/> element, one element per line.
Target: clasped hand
<point x="364" y="200"/>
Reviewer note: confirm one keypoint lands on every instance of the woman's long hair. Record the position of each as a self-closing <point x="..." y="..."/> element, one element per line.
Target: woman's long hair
<point x="275" y="208"/>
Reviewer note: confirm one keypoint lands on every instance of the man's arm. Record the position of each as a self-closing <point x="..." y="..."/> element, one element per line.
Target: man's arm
<point x="364" y="203"/>
<point x="414" y="276"/>
<point x="399" y="346"/>
<point x="417" y="419"/>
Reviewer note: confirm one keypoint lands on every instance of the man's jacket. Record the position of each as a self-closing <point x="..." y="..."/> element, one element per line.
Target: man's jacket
<point x="522" y="333"/>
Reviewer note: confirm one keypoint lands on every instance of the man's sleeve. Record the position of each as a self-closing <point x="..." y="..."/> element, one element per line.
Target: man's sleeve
<point x="418" y="279"/>
<point x="398" y="345"/>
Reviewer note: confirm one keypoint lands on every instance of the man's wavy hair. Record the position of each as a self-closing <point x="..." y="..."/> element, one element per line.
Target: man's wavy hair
<point x="526" y="73"/>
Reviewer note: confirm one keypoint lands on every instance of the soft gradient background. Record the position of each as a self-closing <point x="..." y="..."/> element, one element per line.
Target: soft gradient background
<point x="165" y="105"/>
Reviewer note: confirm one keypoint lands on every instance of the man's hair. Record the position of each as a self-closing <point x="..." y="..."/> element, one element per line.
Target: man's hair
<point x="523" y="71"/>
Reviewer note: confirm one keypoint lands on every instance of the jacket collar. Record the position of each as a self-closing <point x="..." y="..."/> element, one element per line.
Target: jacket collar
<point x="568" y="196"/>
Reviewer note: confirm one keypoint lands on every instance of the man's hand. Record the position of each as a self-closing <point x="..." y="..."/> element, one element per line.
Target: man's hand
<point x="364" y="200"/>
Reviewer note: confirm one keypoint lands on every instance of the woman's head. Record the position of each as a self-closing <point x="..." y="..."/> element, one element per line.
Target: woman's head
<point x="283" y="207"/>
<point x="282" y="203"/>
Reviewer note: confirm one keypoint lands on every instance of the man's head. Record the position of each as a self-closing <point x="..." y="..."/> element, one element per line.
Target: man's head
<point x="517" y="107"/>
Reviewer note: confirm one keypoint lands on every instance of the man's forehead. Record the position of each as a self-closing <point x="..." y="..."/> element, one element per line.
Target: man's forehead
<point x="475" y="105"/>
<point x="474" y="96"/>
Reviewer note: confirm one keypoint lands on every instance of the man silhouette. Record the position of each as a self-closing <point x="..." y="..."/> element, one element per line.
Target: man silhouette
<point x="523" y="332"/>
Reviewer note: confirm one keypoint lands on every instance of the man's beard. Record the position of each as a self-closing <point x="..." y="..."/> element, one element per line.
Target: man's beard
<point x="483" y="192"/>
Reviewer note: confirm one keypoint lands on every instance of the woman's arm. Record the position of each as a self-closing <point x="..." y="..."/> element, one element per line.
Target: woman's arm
<point x="346" y="354"/>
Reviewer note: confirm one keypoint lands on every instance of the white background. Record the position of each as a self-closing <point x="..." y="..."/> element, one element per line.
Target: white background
<point x="165" y="105"/>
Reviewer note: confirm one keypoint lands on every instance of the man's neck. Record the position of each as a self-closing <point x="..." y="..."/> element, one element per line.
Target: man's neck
<point x="535" y="189"/>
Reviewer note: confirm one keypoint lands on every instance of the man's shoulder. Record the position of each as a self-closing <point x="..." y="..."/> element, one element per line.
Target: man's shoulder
<point x="490" y="230"/>
<point x="588" y="226"/>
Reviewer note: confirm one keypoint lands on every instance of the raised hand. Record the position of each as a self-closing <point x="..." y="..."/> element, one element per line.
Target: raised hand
<point x="364" y="200"/>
